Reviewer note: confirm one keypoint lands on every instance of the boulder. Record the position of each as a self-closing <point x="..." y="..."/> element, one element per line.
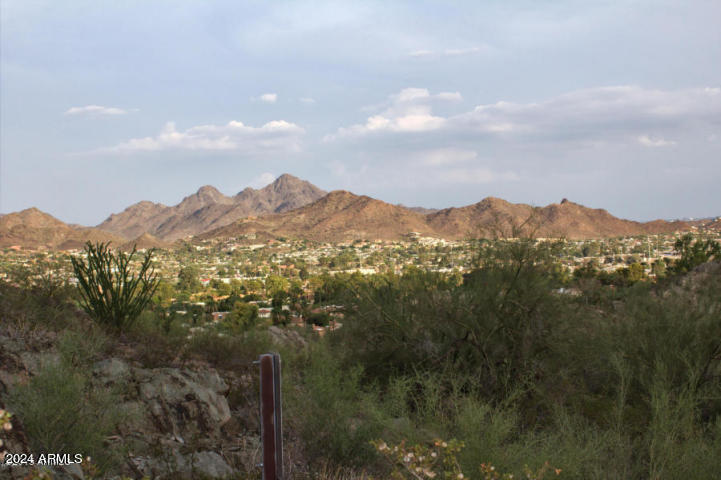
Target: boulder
<point x="173" y="465"/>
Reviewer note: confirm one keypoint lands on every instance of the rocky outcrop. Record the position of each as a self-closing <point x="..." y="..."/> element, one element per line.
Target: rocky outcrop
<point x="175" y="418"/>
<point x="176" y="423"/>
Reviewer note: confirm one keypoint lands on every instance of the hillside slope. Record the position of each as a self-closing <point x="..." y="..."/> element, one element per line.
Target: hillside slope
<point x="208" y="209"/>
<point x="32" y="228"/>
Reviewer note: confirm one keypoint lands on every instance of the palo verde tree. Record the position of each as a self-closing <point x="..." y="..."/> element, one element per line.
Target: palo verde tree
<point x="694" y="253"/>
<point x="111" y="293"/>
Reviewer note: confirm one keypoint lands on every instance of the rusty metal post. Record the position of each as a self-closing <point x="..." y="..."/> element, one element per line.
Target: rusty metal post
<point x="271" y="416"/>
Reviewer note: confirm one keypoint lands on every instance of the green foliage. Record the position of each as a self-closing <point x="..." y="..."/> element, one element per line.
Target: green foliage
<point x="275" y="285"/>
<point x="111" y="294"/>
<point x="62" y="412"/>
<point x="242" y="317"/>
<point x="634" y="273"/>
<point x="495" y="324"/>
<point x="440" y="460"/>
<point x="619" y="382"/>
<point x="164" y="294"/>
<point x="158" y="340"/>
<point x="188" y="280"/>
<point x="229" y="351"/>
<point x="694" y="253"/>
<point x="321" y="319"/>
<point x="40" y="297"/>
<point x="334" y="415"/>
<point x="659" y="268"/>
<point x="80" y="349"/>
<point x="420" y="461"/>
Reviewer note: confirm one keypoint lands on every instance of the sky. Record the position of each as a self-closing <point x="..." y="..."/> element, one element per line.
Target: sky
<point x="611" y="104"/>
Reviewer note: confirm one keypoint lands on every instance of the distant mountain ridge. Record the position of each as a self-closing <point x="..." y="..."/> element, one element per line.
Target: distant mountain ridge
<point x="344" y="216"/>
<point x="291" y="207"/>
<point x="208" y="209"/>
<point x="338" y="216"/>
<point x="31" y="228"/>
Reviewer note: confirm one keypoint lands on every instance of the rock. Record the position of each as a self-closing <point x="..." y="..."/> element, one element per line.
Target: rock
<point x="173" y="465"/>
<point x="286" y="336"/>
<point x="73" y="471"/>
<point x="185" y="402"/>
<point x="173" y="419"/>
<point x="34" y="362"/>
<point x="112" y="370"/>
<point x="209" y="464"/>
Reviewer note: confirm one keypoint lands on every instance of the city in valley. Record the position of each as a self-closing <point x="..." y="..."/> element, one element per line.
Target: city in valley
<point x="345" y="240"/>
<point x="198" y="277"/>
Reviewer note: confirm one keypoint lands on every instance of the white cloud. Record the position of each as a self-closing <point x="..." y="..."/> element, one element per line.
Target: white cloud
<point x="421" y="53"/>
<point x="589" y="116"/>
<point x="454" y="52"/>
<point x="307" y="100"/>
<point x="648" y="141"/>
<point x="95" y="110"/>
<point x="407" y="111"/>
<point x="274" y="136"/>
<point x="451" y="96"/>
<point x="446" y="156"/>
<point x="268" y="98"/>
<point x="262" y="180"/>
<point x="412" y="95"/>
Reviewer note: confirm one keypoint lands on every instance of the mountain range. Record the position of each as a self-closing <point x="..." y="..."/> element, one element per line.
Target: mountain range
<point x="291" y="207"/>
<point x="208" y="209"/>
<point x="343" y="216"/>
<point x="32" y="228"/>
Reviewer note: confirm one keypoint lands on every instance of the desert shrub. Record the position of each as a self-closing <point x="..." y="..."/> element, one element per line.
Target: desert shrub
<point x="322" y="319"/>
<point x="111" y="293"/>
<point x="396" y="324"/>
<point x="36" y="296"/>
<point x="335" y="416"/>
<point x="497" y="324"/>
<point x="229" y="351"/>
<point x="695" y="252"/>
<point x="440" y="459"/>
<point x="242" y="317"/>
<point x="61" y="412"/>
<point x="620" y="382"/>
<point x="157" y="339"/>
<point x="80" y="349"/>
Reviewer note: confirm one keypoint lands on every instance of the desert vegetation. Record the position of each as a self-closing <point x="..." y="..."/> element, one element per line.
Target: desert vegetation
<point x="515" y="369"/>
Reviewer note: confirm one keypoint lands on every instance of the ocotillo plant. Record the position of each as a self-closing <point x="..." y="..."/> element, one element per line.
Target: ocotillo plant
<point x="111" y="293"/>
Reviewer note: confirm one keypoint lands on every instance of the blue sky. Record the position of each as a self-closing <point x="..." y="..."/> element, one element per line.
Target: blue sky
<point x="612" y="104"/>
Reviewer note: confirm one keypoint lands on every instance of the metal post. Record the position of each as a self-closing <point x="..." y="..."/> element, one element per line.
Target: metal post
<point x="271" y="416"/>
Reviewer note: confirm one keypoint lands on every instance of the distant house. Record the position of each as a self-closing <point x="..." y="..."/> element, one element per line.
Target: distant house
<point x="264" y="312"/>
<point x="219" y="316"/>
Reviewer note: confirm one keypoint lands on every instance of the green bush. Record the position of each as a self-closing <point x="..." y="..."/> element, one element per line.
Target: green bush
<point x="40" y="297"/>
<point x="158" y="339"/>
<point x="242" y="317"/>
<point x="694" y="253"/>
<point x="229" y="351"/>
<point x="80" y="349"/>
<point x="334" y="415"/>
<point x="111" y="293"/>
<point x="61" y="412"/>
